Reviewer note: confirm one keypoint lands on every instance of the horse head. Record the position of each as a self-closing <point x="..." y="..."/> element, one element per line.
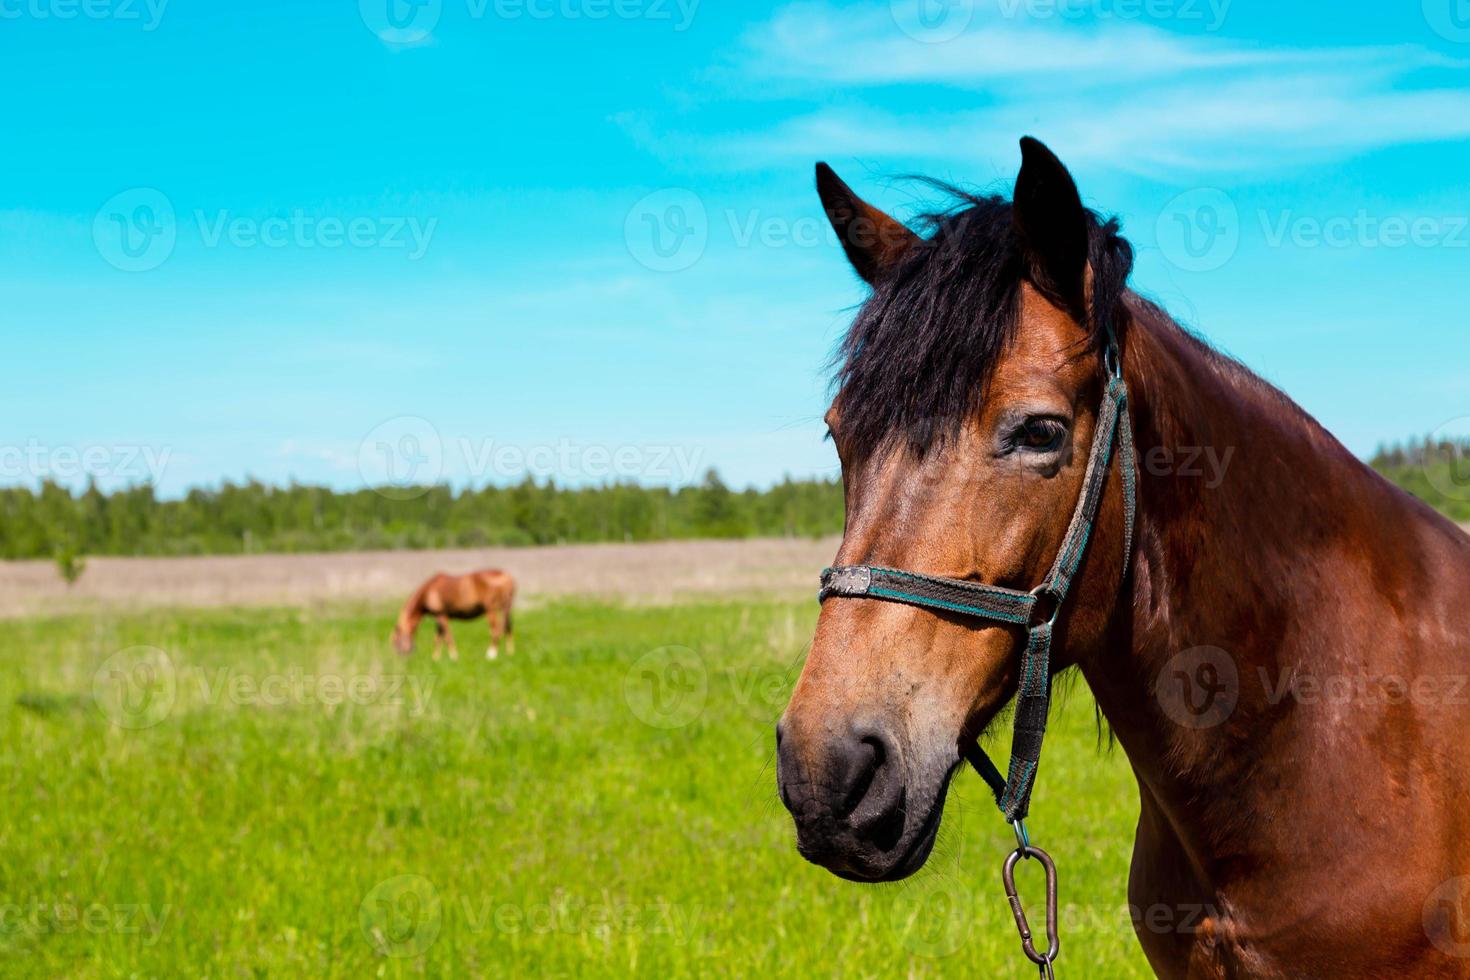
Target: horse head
<point x="967" y="404"/>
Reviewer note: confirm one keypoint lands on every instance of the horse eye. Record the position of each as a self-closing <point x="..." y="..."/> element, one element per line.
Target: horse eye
<point x="1041" y="435"/>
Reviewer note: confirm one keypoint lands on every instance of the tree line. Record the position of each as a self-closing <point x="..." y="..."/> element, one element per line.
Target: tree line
<point x="252" y="517"/>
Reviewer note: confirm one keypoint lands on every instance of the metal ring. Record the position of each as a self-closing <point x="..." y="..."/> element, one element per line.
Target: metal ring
<point x="1045" y="591"/>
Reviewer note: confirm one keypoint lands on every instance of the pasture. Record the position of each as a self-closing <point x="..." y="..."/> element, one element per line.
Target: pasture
<point x="282" y="795"/>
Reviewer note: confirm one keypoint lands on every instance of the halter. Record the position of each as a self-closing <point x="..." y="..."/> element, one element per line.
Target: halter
<point x="1037" y="612"/>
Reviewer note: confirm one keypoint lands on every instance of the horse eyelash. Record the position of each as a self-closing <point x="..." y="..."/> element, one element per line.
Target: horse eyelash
<point x="1016" y="440"/>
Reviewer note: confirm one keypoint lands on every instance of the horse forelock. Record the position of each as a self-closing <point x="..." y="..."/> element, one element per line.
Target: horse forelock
<point x="921" y="351"/>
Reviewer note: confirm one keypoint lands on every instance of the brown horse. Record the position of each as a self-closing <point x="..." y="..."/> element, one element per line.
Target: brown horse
<point x="487" y="593"/>
<point x="1282" y="653"/>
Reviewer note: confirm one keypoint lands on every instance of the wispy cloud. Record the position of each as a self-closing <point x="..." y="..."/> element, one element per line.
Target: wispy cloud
<point x="1238" y="125"/>
<point x="861" y="46"/>
<point x="880" y="45"/>
<point x="1123" y="92"/>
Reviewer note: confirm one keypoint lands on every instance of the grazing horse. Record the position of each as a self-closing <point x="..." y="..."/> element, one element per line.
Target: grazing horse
<point x="487" y="593"/>
<point x="1280" y="644"/>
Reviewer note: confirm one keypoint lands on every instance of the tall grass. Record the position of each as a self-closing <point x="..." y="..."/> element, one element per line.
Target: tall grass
<point x="230" y="793"/>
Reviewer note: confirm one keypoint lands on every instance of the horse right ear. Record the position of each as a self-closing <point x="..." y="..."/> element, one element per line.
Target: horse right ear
<point x="1052" y="224"/>
<point x="873" y="241"/>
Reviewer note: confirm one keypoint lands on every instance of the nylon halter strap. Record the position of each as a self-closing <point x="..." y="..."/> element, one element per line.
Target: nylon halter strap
<point x="1036" y="610"/>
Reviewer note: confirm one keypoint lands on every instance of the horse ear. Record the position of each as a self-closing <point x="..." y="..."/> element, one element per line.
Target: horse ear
<point x="1052" y="224"/>
<point x="872" y="240"/>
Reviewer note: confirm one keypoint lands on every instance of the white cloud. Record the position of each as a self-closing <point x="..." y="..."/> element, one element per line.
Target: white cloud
<point x="867" y="46"/>
<point x="1239" y="125"/>
<point x="1119" y="92"/>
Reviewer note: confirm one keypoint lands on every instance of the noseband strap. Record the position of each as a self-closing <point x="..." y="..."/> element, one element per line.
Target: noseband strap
<point x="1035" y="611"/>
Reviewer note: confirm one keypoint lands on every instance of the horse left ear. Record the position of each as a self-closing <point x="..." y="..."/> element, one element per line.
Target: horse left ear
<point x="873" y="241"/>
<point x="1052" y="224"/>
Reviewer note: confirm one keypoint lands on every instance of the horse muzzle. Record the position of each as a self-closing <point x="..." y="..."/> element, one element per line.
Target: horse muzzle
<point x="861" y="810"/>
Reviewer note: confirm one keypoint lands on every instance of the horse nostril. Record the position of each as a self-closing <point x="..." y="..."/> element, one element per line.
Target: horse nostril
<point x="880" y="749"/>
<point x="858" y="781"/>
<point x="874" y="807"/>
<point x="871" y="764"/>
<point x="864" y="759"/>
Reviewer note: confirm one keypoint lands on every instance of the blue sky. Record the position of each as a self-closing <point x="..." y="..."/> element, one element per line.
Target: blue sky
<point x="466" y="239"/>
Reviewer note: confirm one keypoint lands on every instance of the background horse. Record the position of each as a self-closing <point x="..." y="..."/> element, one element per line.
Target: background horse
<point x="1282" y="654"/>
<point x="487" y="593"/>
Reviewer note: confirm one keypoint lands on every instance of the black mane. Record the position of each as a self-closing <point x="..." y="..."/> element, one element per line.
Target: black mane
<point x="919" y="356"/>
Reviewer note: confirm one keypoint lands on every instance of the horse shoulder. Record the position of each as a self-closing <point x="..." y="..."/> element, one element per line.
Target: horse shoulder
<point x="435" y="591"/>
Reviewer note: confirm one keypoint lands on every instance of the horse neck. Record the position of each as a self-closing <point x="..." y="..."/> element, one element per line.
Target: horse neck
<point x="1240" y="497"/>
<point x="413" y="610"/>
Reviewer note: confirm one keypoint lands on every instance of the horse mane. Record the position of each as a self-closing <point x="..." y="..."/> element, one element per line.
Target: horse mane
<point x="920" y="353"/>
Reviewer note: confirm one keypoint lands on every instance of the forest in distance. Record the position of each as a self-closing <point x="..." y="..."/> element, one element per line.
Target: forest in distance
<point x="253" y="517"/>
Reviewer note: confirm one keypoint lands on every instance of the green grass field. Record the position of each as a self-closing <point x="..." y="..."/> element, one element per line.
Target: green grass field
<point x="273" y="792"/>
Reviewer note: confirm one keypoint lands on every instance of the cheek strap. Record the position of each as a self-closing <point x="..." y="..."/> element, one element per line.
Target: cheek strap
<point x="1035" y="611"/>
